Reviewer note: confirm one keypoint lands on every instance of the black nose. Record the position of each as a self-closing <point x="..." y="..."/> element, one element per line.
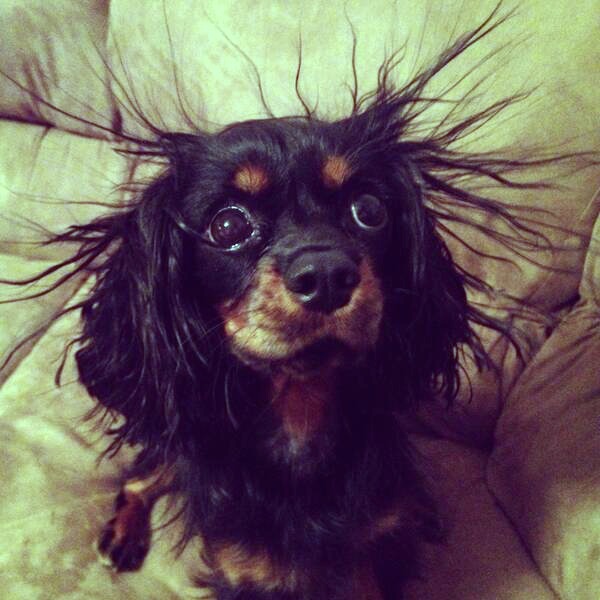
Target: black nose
<point x="322" y="280"/>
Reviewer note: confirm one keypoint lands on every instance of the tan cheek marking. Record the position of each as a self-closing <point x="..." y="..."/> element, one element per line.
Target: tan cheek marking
<point x="285" y="324"/>
<point x="251" y="179"/>
<point x="241" y="567"/>
<point x="234" y="315"/>
<point x="276" y="299"/>
<point x="336" y="170"/>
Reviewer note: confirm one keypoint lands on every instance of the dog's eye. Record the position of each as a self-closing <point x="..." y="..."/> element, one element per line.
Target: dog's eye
<point x="369" y="212"/>
<point x="230" y="227"/>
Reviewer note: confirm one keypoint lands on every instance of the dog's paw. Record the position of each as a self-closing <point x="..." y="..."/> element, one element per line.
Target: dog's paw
<point x="125" y="540"/>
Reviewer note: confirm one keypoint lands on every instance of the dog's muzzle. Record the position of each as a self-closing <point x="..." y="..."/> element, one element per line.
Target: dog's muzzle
<point x="316" y="306"/>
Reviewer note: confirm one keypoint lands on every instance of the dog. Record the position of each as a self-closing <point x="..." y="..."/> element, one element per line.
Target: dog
<point x="263" y="314"/>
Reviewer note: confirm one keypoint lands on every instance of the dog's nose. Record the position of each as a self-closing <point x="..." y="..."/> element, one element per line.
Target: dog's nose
<point x="322" y="280"/>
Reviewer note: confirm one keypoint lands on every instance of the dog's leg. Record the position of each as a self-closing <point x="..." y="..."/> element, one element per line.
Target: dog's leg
<point x="125" y="539"/>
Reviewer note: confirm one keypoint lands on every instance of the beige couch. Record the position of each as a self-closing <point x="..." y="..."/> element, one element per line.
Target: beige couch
<point x="516" y="468"/>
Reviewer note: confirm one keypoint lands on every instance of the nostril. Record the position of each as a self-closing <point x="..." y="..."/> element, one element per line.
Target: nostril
<point x="346" y="278"/>
<point x="304" y="283"/>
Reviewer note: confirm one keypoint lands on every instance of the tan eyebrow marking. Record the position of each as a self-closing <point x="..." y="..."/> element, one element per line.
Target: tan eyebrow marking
<point x="251" y="179"/>
<point x="335" y="171"/>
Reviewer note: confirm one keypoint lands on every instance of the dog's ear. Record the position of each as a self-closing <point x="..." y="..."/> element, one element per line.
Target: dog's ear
<point x="143" y="345"/>
<point x="442" y="318"/>
<point x="428" y="315"/>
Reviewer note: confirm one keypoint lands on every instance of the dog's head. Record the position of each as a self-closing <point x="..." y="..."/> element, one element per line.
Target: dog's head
<point x="284" y="248"/>
<point x="298" y="228"/>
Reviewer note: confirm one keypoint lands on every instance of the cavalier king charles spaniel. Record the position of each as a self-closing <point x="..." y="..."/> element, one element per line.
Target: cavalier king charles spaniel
<point x="263" y="313"/>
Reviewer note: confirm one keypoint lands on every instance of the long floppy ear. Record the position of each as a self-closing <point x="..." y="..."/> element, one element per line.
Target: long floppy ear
<point x="427" y="313"/>
<point x="144" y="343"/>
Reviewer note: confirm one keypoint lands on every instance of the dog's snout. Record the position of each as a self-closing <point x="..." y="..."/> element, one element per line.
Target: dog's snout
<point x="322" y="280"/>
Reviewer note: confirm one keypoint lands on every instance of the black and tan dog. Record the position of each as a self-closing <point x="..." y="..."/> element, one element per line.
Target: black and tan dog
<point x="262" y="314"/>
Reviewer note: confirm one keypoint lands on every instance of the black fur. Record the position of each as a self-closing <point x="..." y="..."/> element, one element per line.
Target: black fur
<point x="153" y="350"/>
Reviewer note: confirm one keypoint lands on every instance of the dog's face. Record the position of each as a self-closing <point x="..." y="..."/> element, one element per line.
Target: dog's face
<point x="293" y="236"/>
<point x="296" y="253"/>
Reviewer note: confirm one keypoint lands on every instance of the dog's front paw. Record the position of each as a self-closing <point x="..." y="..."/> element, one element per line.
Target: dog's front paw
<point x="125" y="540"/>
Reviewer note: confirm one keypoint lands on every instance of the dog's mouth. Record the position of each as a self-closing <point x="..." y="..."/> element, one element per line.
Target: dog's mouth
<point x="317" y="357"/>
<point x="320" y="354"/>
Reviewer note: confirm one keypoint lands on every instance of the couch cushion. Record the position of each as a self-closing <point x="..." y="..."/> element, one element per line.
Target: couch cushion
<point x="545" y="468"/>
<point x="49" y="180"/>
<point x="54" y="49"/>
<point x="482" y="558"/>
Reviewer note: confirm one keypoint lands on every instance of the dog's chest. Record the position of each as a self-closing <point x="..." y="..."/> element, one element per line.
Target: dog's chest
<point x="305" y="433"/>
<point x="302" y="407"/>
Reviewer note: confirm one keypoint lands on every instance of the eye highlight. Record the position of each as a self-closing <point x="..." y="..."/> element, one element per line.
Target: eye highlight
<point x="369" y="212"/>
<point x="230" y="228"/>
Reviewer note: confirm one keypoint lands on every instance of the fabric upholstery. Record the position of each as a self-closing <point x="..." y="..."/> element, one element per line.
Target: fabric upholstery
<point x="545" y="467"/>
